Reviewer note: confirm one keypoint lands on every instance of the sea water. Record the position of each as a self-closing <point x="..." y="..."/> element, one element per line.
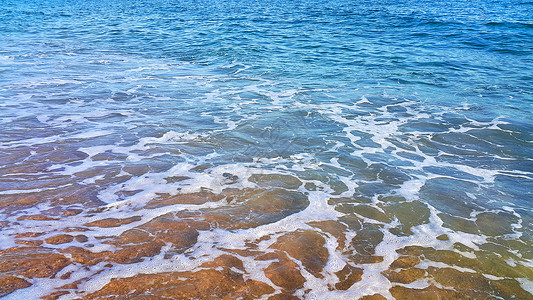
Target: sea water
<point x="405" y="125"/>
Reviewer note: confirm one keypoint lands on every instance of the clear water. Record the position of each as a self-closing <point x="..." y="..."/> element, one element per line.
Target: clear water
<point x="101" y="102"/>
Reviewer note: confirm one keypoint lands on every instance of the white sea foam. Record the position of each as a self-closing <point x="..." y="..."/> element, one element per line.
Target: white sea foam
<point x="368" y="131"/>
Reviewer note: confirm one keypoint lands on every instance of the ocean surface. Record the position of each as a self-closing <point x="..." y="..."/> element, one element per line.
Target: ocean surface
<point x="266" y="149"/>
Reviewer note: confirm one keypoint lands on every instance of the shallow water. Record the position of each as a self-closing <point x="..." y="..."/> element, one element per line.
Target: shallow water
<point x="225" y="149"/>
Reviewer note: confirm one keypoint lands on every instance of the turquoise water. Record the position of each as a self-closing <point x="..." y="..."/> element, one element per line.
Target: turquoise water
<point x="429" y="102"/>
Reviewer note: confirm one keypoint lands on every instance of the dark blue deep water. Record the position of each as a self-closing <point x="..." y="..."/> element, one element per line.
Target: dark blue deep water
<point x="411" y="119"/>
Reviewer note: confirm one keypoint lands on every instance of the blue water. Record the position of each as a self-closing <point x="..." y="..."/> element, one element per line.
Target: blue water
<point x="430" y="101"/>
<point x="450" y="52"/>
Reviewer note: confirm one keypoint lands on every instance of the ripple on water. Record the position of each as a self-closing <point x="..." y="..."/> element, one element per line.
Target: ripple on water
<point x="347" y="152"/>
